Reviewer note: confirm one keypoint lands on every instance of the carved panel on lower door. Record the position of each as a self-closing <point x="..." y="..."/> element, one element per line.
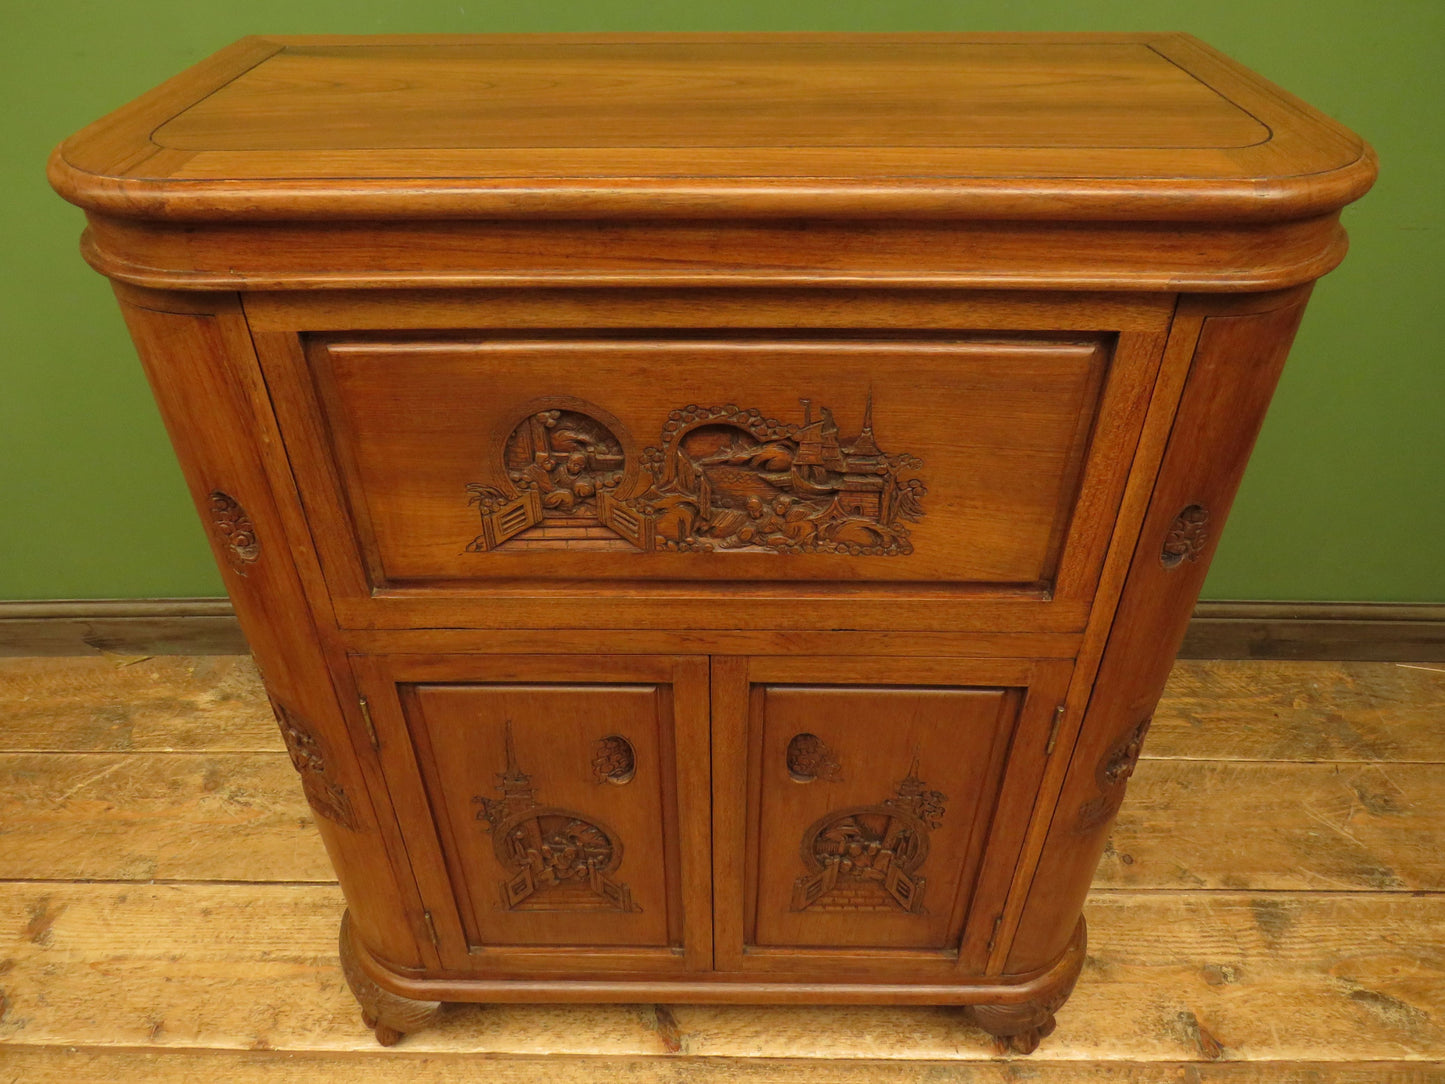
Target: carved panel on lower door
<point x="561" y="860"/>
<point x="554" y="808"/>
<point x="882" y="853"/>
<point x="869" y="858"/>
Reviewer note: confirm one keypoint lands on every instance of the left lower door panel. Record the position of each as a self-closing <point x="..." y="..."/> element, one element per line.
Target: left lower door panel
<point x="554" y="806"/>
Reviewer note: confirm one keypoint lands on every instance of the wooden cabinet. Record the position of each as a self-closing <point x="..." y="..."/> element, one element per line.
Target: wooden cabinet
<point x="714" y="514"/>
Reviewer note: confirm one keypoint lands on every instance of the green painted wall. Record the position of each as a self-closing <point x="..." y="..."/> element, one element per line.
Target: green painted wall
<point x="1344" y="499"/>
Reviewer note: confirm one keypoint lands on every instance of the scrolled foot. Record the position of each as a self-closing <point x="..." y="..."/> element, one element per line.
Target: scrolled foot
<point x="1018" y="1027"/>
<point x="389" y="1015"/>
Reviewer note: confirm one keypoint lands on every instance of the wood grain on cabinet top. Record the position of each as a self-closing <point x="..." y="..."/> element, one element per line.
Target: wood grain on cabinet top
<point x="1059" y="127"/>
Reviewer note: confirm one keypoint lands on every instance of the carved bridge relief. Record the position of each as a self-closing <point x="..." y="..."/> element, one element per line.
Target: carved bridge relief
<point x="723" y="479"/>
<point x="867" y="858"/>
<point x="560" y="860"/>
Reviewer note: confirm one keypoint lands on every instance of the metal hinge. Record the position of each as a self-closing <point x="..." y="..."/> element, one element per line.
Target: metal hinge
<point x="993" y="937"/>
<point x="431" y="929"/>
<point x="1054" y="731"/>
<point x="370" y="726"/>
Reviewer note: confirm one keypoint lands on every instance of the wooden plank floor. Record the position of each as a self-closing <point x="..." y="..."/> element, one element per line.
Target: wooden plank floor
<point x="1271" y="907"/>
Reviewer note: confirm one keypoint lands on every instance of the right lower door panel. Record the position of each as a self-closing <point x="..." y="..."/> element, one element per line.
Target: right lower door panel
<point x="866" y="796"/>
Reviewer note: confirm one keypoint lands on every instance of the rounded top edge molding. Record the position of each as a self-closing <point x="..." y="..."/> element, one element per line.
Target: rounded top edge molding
<point x="943" y="127"/>
<point x="1007" y="199"/>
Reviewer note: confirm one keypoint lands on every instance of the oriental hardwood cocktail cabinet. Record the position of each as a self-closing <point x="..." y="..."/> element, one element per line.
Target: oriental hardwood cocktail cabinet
<point x="714" y="514"/>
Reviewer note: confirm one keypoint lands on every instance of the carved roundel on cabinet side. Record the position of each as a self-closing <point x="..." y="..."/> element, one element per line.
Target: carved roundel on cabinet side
<point x="233" y="527"/>
<point x="1188" y="535"/>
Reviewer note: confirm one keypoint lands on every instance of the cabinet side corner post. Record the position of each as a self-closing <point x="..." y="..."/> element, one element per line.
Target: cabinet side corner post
<point x="1238" y="355"/>
<point x="196" y="349"/>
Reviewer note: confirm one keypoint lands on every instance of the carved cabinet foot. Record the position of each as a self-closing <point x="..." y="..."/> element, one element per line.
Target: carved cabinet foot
<point x="1015" y="1029"/>
<point x="1020" y="1026"/>
<point x="390" y="1015"/>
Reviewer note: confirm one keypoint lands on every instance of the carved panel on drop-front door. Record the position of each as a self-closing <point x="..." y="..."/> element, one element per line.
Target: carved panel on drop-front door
<point x="723" y="479"/>
<point x="559" y="464"/>
<point x="870" y="858"/>
<point x="560" y="860"/>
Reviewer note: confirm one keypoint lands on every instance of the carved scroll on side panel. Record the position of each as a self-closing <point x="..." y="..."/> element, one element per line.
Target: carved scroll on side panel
<point x="723" y="479"/>
<point x="324" y="794"/>
<point x="1112" y="773"/>
<point x="868" y="858"/>
<point x="559" y="859"/>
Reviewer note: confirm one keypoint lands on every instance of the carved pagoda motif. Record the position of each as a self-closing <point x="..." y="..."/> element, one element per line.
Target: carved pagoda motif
<point x="560" y="860"/>
<point x="724" y="479"/>
<point x="867" y="858"/>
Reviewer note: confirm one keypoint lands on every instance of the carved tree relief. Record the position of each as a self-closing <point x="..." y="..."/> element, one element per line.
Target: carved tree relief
<point x="723" y="479"/>
<point x="560" y="860"/>
<point x="324" y="795"/>
<point x="867" y="858"/>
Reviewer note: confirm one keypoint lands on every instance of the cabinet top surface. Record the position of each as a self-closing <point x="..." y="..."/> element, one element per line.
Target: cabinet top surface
<point x="995" y="126"/>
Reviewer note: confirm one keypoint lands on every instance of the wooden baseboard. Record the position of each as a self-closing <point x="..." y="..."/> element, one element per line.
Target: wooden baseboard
<point x="172" y="626"/>
<point x="1347" y="631"/>
<point x="1381" y="631"/>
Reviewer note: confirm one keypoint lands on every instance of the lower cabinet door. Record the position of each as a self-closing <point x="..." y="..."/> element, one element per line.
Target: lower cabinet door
<point x="872" y="808"/>
<point x="544" y="806"/>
